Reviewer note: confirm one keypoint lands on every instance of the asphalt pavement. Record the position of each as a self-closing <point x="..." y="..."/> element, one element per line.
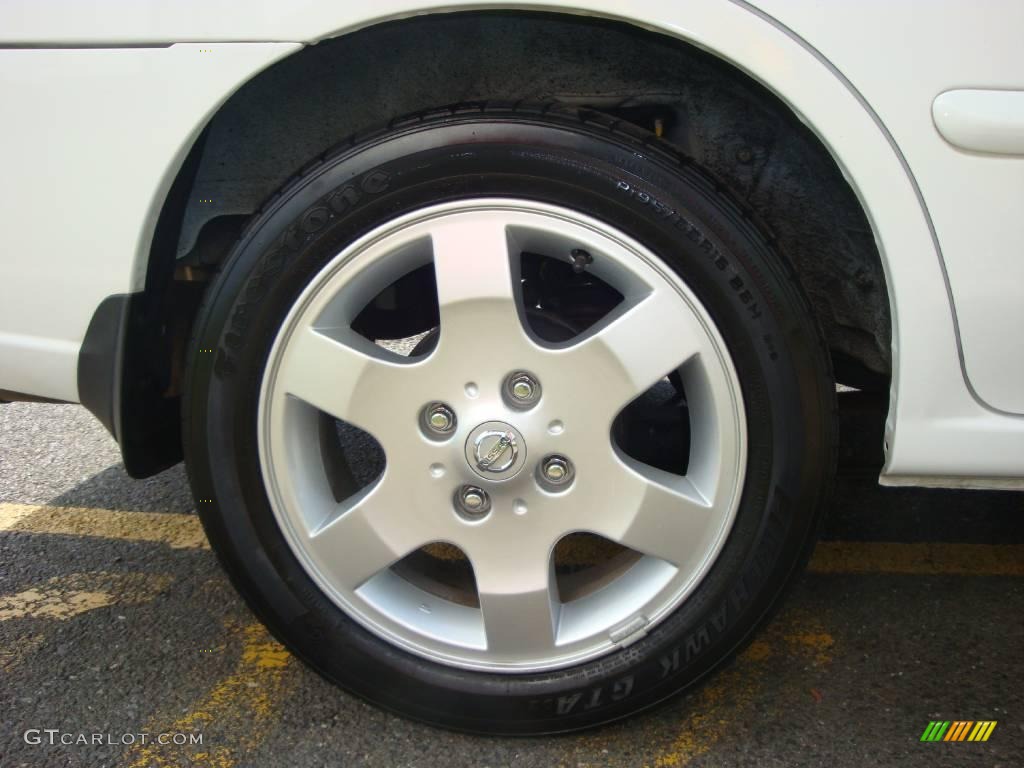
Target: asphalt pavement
<point x="117" y="622"/>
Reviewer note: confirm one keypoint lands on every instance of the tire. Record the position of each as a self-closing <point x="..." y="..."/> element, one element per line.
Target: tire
<point x="605" y="171"/>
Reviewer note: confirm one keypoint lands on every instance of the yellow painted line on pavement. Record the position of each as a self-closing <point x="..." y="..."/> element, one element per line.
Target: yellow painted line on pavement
<point x="184" y="531"/>
<point x="939" y="559"/>
<point x="67" y="596"/>
<point x="734" y="690"/>
<point x="51" y="603"/>
<point x="839" y="557"/>
<point x="243" y="705"/>
<point x="174" y="529"/>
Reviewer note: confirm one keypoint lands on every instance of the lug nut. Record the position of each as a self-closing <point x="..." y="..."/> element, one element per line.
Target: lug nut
<point x="472" y="501"/>
<point x="441" y="419"/>
<point x="438" y="418"/>
<point x="522" y="390"/>
<point x="556" y="471"/>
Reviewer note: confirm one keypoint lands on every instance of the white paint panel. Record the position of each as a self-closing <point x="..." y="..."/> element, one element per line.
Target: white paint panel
<point x="91" y="142"/>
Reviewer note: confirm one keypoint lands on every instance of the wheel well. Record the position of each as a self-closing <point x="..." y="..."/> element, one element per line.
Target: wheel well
<point x="720" y="116"/>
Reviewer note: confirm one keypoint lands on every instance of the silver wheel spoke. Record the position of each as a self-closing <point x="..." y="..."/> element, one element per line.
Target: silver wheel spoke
<point x="636" y="347"/>
<point x="369" y="533"/>
<point x="668" y="517"/>
<point x="475" y="289"/>
<point x="518" y="601"/>
<point x="348" y="380"/>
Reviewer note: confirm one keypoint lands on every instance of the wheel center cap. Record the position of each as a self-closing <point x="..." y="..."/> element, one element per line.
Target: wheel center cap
<point x="496" y="450"/>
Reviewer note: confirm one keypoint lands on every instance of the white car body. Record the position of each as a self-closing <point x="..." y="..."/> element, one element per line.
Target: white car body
<point x="921" y="105"/>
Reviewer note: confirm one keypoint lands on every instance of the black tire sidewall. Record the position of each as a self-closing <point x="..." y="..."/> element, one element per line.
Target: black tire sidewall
<point x="672" y="208"/>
